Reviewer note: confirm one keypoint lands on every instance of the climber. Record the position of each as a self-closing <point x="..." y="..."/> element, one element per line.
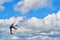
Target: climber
<point x="12" y="27"/>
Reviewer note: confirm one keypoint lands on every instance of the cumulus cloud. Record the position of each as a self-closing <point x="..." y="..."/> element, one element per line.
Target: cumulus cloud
<point x="33" y="28"/>
<point x="2" y="2"/>
<point x="2" y="8"/>
<point x="27" y="5"/>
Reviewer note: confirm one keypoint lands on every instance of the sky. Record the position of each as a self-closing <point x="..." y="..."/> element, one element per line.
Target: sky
<point x="36" y="19"/>
<point x="10" y="9"/>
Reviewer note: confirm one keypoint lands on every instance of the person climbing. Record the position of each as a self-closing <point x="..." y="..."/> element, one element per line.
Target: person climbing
<point x="12" y="27"/>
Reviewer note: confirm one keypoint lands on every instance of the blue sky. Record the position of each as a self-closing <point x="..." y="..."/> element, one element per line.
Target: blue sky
<point x="9" y="10"/>
<point x="42" y="18"/>
<point x="40" y="13"/>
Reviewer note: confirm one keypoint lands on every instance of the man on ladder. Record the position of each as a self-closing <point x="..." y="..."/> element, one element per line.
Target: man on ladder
<point x="12" y="27"/>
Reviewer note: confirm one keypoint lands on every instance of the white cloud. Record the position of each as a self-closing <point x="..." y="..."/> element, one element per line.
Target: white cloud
<point x="34" y="27"/>
<point x="27" y="5"/>
<point x="15" y="38"/>
<point x="2" y="2"/>
<point x="2" y="8"/>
